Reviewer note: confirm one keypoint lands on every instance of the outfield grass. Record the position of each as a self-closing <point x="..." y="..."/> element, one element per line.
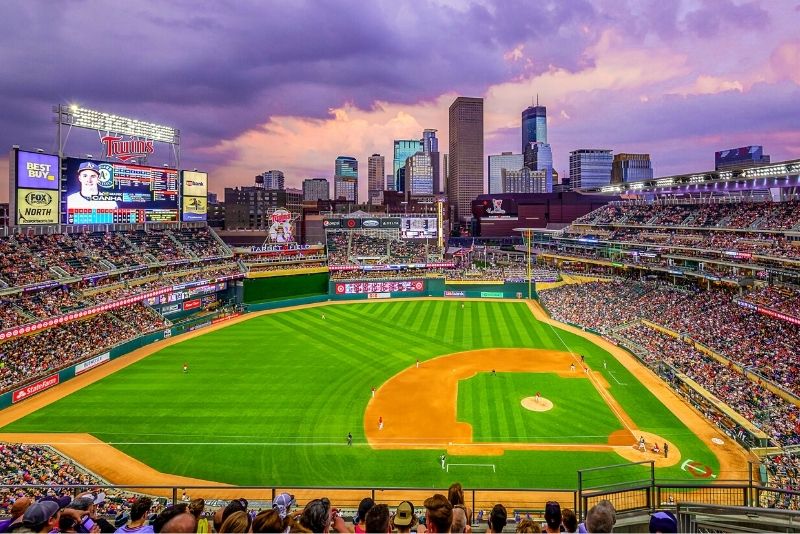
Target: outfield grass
<point x="270" y="400"/>
<point x="492" y="405"/>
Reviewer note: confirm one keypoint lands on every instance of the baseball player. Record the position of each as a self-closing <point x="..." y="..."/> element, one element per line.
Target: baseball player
<point x="380" y="423"/>
<point x="443" y="460"/>
<point x="349" y="439"/>
<point x="373" y="392"/>
<point x="185" y="367"/>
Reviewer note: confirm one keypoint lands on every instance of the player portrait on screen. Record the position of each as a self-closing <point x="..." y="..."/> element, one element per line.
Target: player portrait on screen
<point x="89" y="178"/>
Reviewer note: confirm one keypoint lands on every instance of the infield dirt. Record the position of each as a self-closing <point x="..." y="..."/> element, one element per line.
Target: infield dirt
<point x="121" y="469"/>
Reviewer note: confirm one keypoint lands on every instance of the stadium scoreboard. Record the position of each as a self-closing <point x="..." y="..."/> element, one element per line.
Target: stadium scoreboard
<point x="108" y="193"/>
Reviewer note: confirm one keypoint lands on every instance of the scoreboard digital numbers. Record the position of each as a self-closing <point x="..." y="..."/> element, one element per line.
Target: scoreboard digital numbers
<point x="400" y="286"/>
<point x="109" y="193"/>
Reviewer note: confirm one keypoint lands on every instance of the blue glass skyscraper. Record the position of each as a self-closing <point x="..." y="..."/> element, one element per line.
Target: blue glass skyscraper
<point x="534" y="126"/>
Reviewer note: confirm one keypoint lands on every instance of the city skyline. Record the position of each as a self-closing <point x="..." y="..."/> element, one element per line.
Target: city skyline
<point x="249" y="97"/>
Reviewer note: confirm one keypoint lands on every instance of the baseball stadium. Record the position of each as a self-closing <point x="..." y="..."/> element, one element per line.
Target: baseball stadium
<point x="645" y="354"/>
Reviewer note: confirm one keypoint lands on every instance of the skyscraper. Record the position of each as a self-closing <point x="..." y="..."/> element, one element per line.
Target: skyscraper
<point x="419" y="175"/>
<point x="376" y="169"/>
<point x="736" y="158"/>
<point x="498" y="162"/>
<point x="270" y="180"/>
<point x="523" y="180"/>
<point x="534" y="125"/>
<point x="631" y="168"/>
<point x="589" y="167"/>
<point x="316" y="189"/>
<point x="539" y="157"/>
<point x="345" y="180"/>
<point x="403" y="149"/>
<point x="465" y="178"/>
<point x="430" y="146"/>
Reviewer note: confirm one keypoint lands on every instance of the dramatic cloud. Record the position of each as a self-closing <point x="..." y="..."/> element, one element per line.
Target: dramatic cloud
<point x="255" y="85"/>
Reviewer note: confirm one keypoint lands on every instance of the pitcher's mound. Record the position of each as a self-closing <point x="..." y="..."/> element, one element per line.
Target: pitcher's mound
<point x="537" y="405"/>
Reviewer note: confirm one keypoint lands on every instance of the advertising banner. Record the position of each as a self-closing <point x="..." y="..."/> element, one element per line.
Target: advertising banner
<point x="37" y="171"/>
<point x="454" y="294"/>
<point x="332" y="223"/>
<point x="94" y="362"/>
<point x="108" y="193"/>
<point x="492" y="294"/>
<point x="498" y="206"/>
<point x="195" y="184"/>
<point x="37" y="206"/>
<point x="194" y="209"/>
<point x="360" y="288"/>
<point x="191" y="304"/>
<point x="379" y="295"/>
<point x="33" y="389"/>
<point x="390" y="222"/>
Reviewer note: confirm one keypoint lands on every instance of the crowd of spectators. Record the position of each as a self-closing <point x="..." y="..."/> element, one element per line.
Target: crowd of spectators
<point x="783" y="472"/>
<point x="59" y="512"/>
<point x="27" y="259"/>
<point x="784" y="299"/>
<point x="742" y="215"/>
<point x="763" y="344"/>
<point x="23" y="359"/>
<point x="361" y="249"/>
<point x="775" y="416"/>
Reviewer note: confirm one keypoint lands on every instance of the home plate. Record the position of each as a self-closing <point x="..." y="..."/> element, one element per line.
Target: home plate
<point x="535" y="404"/>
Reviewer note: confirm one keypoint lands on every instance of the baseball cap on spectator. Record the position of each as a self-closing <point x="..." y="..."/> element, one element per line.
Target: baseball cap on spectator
<point x="404" y="516"/>
<point x="663" y="522"/>
<point x="81" y="503"/>
<point x="101" y="498"/>
<point x="552" y="514"/>
<point x="62" y="501"/>
<point x="40" y="513"/>
<point x="283" y="503"/>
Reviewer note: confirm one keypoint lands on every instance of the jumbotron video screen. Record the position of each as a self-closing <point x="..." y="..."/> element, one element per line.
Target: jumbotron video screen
<point x="108" y="193"/>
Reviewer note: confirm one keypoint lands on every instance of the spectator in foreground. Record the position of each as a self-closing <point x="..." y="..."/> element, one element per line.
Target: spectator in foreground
<point x="196" y="507"/>
<point x="138" y="520"/>
<point x="527" y="526"/>
<point x="377" y="519"/>
<point x="569" y="520"/>
<point x="184" y="523"/>
<point x="270" y="521"/>
<point x="17" y="511"/>
<point x="41" y="517"/>
<point x="237" y="522"/>
<point x="552" y="517"/>
<point x="363" y="508"/>
<point x="601" y="517"/>
<point x="455" y="494"/>
<point x="318" y="516"/>
<point x="459" y="519"/>
<point x="497" y="518"/>
<point x="438" y="513"/>
<point x="663" y="522"/>
<point x="404" y="519"/>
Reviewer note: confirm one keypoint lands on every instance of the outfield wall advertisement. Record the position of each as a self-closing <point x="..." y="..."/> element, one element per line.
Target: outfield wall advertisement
<point x="36" y="387"/>
<point x="361" y="288"/>
<point x="92" y="363"/>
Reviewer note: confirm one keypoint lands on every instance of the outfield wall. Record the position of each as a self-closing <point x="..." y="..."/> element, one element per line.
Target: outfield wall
<point x="257" y="290"/>
<point x="389" y="288"/>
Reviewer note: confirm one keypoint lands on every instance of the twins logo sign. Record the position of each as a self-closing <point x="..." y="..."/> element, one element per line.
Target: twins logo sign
<point x="126" y="150"/>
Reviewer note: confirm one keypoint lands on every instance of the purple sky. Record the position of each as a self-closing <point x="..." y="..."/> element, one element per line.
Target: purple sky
<point x="290" y="85"/>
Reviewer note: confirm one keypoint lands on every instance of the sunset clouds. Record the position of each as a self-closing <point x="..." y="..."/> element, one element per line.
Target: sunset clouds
<point x="292" y="85"/>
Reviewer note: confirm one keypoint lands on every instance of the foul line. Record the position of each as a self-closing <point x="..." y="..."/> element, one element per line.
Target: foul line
<point x="615" y="379"/>
<point x="597" y="386"/>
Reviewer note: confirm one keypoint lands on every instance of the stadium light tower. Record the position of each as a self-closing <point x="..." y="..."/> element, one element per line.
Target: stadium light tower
<point x="527" y="235"/>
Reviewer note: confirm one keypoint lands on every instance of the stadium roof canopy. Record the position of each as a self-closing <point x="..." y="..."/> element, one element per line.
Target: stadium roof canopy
<point x="774" y="175"/>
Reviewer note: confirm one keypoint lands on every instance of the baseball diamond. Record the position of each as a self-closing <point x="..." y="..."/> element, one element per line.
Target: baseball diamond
<point x="272" y="396"/>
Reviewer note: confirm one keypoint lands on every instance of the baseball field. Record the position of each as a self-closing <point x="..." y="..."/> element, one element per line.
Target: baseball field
<point x="270" y="400"/>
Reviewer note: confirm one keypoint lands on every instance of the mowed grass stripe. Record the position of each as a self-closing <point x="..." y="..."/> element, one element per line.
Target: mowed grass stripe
<point x="294" y="378"/>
